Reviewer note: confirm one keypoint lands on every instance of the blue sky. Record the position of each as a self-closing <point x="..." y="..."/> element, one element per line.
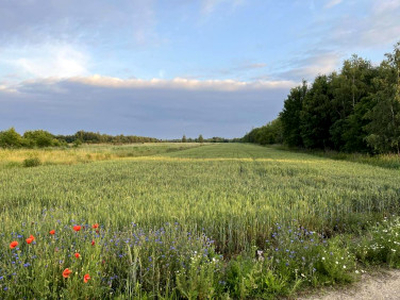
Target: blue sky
<point x="168" y="68"/>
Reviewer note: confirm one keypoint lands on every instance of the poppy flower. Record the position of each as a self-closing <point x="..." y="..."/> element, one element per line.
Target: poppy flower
<point x="66" y="273"/>
<point x="86" y="278"/>
<point x="77" y="227"/>
<point x="93" y="243"/>
<point x="95" y="226"/>
<point x="29" y="240"/>
<point x="13" y="244"/>
<point x="32" y="237"/>
<point x="77" y="255"/>
<point x="52" y="232"/>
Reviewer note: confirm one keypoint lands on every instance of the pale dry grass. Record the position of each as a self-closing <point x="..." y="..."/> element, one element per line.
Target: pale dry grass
<point x="88" y="153"/>
<point x="53" y="156"/>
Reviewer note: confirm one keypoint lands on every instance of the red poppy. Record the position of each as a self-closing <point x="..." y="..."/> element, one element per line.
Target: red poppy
<point x="94" y="226"/>
<point x="93" y="243"/>
<point x="52" y="232"/>
<point x="77" y="228"/>
<point x="29" y="240"/>
<point x="66" y="273"/>
<point x="86" y="278"/>
<point x="77" y="255"/>
<point x="13" y="244"/>
<point x="32" y="237"/>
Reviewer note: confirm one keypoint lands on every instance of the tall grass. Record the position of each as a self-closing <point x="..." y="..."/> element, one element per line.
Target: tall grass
<point x="86" y="153"/>
<point x="390" y="161"/>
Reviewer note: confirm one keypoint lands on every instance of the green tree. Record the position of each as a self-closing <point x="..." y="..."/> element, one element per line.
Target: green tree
<point x="384" y="128"/>
<point x="349" y="88"/>
<point x="200" y="139"/>
<point x="10" y="139"/>
<point x="39" y="138"/>
<point x="290" y="115"/>
<point x="316" y="116"/>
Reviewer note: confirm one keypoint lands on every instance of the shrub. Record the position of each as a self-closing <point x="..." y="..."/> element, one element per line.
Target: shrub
<point x="31" y="162"/>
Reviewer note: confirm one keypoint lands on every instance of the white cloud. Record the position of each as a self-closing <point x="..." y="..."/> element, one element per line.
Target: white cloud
<point x="309" y="65"/>
<point x="209" y="6"/>
<point x="48" y="60"/>
<point x="383" y="25"/>
<point x="332" y="3"/>
<point x="56" y="84"/>
<point x="90" y="21"/>
<point x="379" y="26"/>
<point x="384" y="7"/>
<point x="181" y="83"/>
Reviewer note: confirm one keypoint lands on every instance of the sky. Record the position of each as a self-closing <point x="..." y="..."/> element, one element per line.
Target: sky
<point x="167" y="68"/>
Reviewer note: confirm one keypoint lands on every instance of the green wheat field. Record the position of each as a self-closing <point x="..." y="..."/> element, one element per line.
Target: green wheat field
<point x="185" y="221"/>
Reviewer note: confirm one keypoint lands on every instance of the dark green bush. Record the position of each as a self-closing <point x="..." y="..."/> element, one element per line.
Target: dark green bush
<point x="31" y="162"/>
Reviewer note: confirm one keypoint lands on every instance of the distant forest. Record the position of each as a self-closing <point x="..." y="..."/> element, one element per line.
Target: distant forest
<point x="355" y="110"/>
<point x="10" y="138"/>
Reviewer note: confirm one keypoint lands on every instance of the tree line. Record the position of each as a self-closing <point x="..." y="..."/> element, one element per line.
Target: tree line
<point x="10" y="138"/>
<point x="40" y="138"/>
<point x="354" y="110"/>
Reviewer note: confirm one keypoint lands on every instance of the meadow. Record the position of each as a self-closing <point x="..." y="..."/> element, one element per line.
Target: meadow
<point x="186" y="223"/>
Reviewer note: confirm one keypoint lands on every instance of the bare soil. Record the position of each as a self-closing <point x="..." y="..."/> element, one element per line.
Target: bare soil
<point x="377" y="286"/>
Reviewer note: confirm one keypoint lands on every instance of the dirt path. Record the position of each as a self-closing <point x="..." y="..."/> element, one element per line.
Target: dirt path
<point x="385" y="285"/>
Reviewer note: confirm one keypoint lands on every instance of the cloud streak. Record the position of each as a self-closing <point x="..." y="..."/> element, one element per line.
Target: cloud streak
<point x="209" y="6"/>
<point x="332" y="3"/>
<point x="156" y="83"/>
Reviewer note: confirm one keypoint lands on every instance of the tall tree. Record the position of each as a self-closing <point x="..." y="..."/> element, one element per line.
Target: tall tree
<point x="290" y="115"/>
<point x="384" y="128"/>
<point x="349" y="88"/>
<point x="200" y="139"/>
<point x="316" y="115"/>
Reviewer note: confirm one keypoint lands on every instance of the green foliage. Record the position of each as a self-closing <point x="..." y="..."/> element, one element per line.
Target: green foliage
<point x="39" y="138"/>
<point x="382" y="245"/>
<point x="198" y="279"/>
<point x="272" y="133"/>
<point x="316" y="114"/>
<point x="290" y="115"/>
<point x="31" y="162"/>
<point x="200" y="139"/>
<point x="356" y="110"/>
<point x="384" y="128"/>
<point x="247" y="278"/>
<point x="10" y="139"/>
<point x="77" y="143"/>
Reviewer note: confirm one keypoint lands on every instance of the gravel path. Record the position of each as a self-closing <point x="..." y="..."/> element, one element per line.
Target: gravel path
<point x="385" y="285"/>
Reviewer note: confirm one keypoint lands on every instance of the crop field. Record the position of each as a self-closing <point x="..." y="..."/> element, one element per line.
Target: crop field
<point x="185" y="223"/>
